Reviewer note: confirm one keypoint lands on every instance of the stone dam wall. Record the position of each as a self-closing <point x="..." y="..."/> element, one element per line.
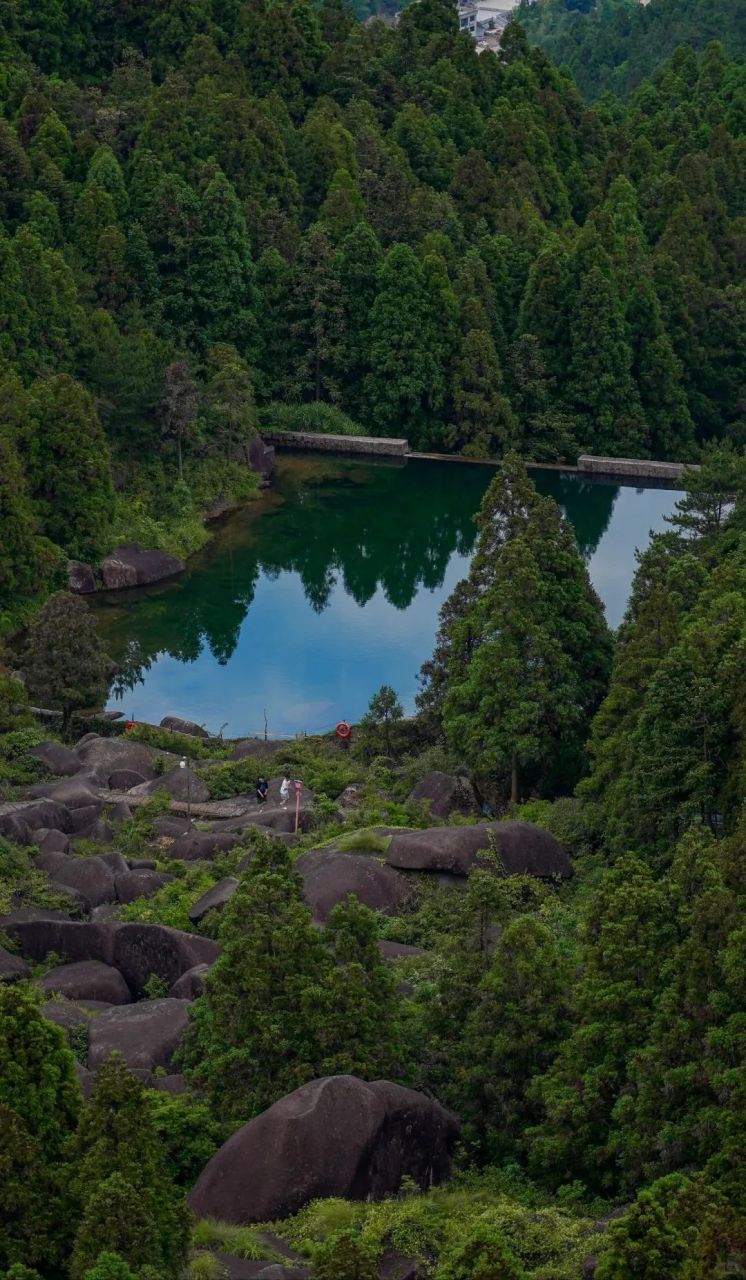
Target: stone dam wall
<point x="320" y="443"/>
<point x="632" y="468"/>
<point x="629" y="469"/>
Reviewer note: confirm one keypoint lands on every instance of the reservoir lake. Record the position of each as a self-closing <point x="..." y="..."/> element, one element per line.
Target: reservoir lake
<point x="308" y="600"/>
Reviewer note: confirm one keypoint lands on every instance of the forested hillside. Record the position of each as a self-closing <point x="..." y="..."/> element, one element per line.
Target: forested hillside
<point x="210" y="207"/>
<point x="615" y="44"/>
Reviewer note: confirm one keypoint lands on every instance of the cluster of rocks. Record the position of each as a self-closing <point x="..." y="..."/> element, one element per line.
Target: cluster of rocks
<point x="98" y="991"/>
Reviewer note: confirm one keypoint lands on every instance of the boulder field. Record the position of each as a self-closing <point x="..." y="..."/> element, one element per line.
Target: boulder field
<point x="338" y="1136"/>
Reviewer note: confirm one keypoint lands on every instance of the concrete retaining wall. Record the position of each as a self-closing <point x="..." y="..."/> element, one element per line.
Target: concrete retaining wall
<point x="632" y="468"/>
<point x="318" y="443"/>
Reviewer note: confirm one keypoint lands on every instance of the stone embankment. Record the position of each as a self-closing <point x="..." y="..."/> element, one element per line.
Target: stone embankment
<point x="371" y="446"/>
<point x="634" y="468"/>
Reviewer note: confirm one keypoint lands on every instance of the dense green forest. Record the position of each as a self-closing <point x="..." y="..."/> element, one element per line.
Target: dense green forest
<point x="616" y="44"/>
<point x="210" y="208"/>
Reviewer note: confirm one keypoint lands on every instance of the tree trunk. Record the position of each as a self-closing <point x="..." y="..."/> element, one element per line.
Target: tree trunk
<point x="514" y="791"/>
<point x="178" y="450"/>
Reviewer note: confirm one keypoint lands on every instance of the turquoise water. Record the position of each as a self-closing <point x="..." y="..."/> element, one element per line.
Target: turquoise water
<point x="329" y="586"/>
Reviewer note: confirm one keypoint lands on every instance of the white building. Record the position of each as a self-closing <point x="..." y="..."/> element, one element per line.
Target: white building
<point x="484" y="20"/>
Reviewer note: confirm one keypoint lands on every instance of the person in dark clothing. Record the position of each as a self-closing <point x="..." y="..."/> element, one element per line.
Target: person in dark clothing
<point x="262" y="787"/>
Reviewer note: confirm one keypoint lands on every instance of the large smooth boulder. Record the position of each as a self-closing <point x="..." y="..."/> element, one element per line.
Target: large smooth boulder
<point x="329" y="878"/>
<point x="48" y="814"/>
<point x="84" y="818"/>
<point x="522" y="848"/>
<point x="172" y="825"/>
<point x="183" y="784"/>
<point x="73" y="791"/>
<point x="51" y="841"/>
<point x="446" y="793"/>
<point x="87" y="980"/>
<point x="12" y="968"/>
<point x="14" y="827"/>
<point x="146" y="1035"/>
<point x="130" y="566"/>
<point x="116" y="861"/>
<point x="194" y="846"/>
<point x="125" y="779"/>
<point x="399" y="950"/>
<point x="39" y="933"/>
<point x="58" y="759"/>
<point x="89" y="877"/>
<point x="338" y="1136"/>
<point x="100" y="831"/>
<point x="106" y="755"/>
<point x="191" y="984"/>
<point x="176" y="725"/>
<point x="81" y="578"/>
<point x="144" y="949"/>
<point x="261" y="457"/>
<point x="131" y="885"/>
<point x="214" y="899"/>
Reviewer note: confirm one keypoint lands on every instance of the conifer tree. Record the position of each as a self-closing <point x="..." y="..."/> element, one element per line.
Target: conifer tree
<point x="68" y="467"/>
<point x="117" y="1141"/>
<point x="115" y="1220"/>
<point x="178" y="407"/>
<point x="315" y="319"/>
<point x="230" y="394"/>
<point x="401" y="358"/>
<point x="64" y="662"/>
<point x="221" y="272"/>
<point x="253" y="1034"/>
<point x="484" y="424"/>
<point x="37" y="1072"/>
<point x="550" y="635"/>
<point x="357" y="264"/>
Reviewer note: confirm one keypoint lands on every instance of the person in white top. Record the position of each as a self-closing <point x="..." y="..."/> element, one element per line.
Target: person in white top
<point x="285" y="792"/>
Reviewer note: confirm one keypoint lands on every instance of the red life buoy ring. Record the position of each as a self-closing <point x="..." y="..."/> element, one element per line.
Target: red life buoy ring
<point x="343" y="730"/>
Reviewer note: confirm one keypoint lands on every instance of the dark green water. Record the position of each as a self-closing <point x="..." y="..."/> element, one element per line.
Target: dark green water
<point x="309" y="600"/>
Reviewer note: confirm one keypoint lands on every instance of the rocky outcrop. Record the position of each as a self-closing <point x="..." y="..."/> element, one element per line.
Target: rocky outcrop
<point x="146" y="1035"/>
<point x="109" y="754"/>
<point x="446" y="793"/>
<point x="87" y="980"/>
<point x="90" y="877"/>
<point x="520" y="847"/>
<point x="329" y="878"/>
<point x="194" y="846"/>
<point x="12" y="968"/>
<point x="144" y="949"/>
<point x="80" y="578"/>
<point x="338" y="1136"/>
<point x="58" y="759"/>
<point x="214" y="900"/>
<point x="191" y="984"/>
<point x="261" y="457"/>
<point x="51" y="841"/>
<point x="176" y="725"/>
<point x="130" y="566"/>
<point x="13" y="826"/>
<point x="131" y="885"/>
<point x="125" y="779"/>
<point x="39" y="933"/>
<point x="180" y="784"/>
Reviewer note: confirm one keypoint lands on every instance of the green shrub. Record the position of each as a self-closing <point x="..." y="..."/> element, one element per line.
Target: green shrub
<point x="344" y="1257"/>
<point x="323" y="418"/>
<point x="135" y="835"/>
<point x="189" y="1133"/>
<point x="226" y="1237"/>
<point x="180" y="744"/>
<point x="171" y="904"/>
